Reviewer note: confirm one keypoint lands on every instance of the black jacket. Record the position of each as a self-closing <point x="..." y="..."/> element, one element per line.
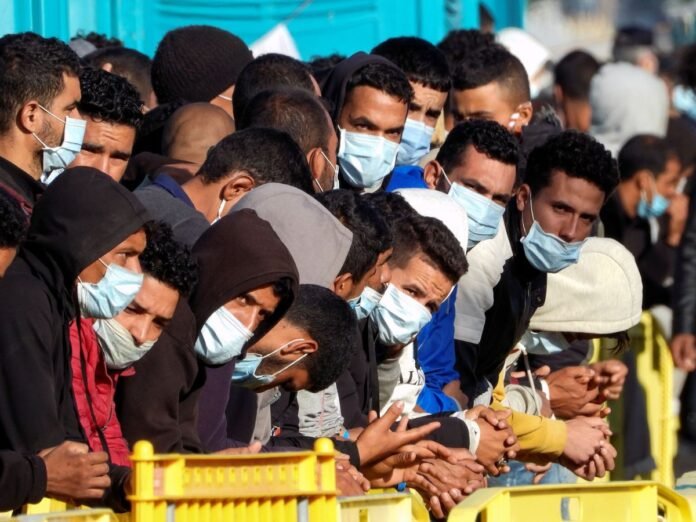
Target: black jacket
<point x="19" y="184"/>
<point x="520" y="291"/>
<point x="22" y="479"/>
<point x="684" y="302"/>
<point x="81" y="217"/>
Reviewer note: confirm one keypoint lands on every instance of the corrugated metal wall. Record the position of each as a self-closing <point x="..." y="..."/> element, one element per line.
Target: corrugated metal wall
<point x="318" y="26"/>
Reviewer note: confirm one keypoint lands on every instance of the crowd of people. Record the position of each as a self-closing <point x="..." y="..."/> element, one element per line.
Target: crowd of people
<point x="409" y="251"/>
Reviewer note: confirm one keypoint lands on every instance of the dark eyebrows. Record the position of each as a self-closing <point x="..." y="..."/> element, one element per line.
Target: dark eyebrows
<point x="92" y="147"/>
<point x="122" y="155"/>
<point x="362" y="120"/>
<point x="433" y="113"/>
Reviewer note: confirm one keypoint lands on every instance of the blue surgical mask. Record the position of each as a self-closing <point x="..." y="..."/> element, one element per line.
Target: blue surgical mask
<point x="399" y="317"/>
<point x="57" y="159"/>
<point x="657" y="206"/>
<point x="548" y="252"/>
<point x="117" y="344"/>
<point x="415" y="142"/>
<point x="245" y="370"/>
<point x="365" y="160"/>
<point x="222" y="337"/>
<point x="108" y="297"/>
<point x="684" y="100"/>
<point x="544" y="343"/>
<point x="365" y="302"/>
<point x="483" y="213"/>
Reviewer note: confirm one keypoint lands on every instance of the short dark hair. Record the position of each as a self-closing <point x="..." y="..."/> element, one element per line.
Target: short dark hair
<point x="391" y="206"/>
<point x="578" y="155"/>
<point x="487" y="137"/>
<point x="332" y="324"/>
<point x="268" y="72"/>
<point x="492" y="64"/>
<point x="32" y="67"/>
<point x="643" y="152"/>
<point x="133" y="65"/>
<point x="110" y="98"/>
<point x="383" y="77"/>
<point x="630" y="41"/>
<point x="268" y="155"/>
<point x="167" y="260"/>
<point x="430" y="237"/>
<point x="295" y="111"/>
<point x="574" y="73"/>
<point x="13" y="221"/>
<point x="322" y="66"/>
<point x="98" y="40"/>
<point x="367" y="225"/>
<point x="460" y="43"/>
<point x="420" y="60"/>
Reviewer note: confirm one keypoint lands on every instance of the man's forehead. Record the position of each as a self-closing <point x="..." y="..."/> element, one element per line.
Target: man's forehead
<point x="580" y="193"/>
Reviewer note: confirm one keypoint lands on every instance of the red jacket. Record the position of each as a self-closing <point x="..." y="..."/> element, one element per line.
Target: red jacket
<point x="98" y="391"/>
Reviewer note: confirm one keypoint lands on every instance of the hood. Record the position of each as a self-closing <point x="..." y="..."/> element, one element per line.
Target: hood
<point x="601" y="294"/>
<point x="318" y="242"/>
<point x="333" y="88"/>
<point x="80" y="217"/>
<point x="626" y="101"/>
<point x="438" y="205"/>
<point x="237" y="254"/>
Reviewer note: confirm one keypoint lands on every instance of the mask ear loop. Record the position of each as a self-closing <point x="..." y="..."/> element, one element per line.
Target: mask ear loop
<point x="531" y="209"/>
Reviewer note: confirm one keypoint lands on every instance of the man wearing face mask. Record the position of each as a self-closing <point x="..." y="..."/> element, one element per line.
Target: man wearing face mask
<point x="370" y="98"/>
<point x="104" y="350"/>
<point x="428" y="73"/>
<point x="232" y="169"/>
<point x="301" y="114"/>
<point x="56" y="277"/>
<point x="40" y="129"/>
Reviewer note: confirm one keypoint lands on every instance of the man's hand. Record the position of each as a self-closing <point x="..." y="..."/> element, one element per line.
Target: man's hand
<point x="571" y="389"/>
<point x="539" y="470"/>
<point x="378" y="440"/>
<point x="497" y="440"/>
<point x="72" y="472"/>
<point x="586" y="437"/>
<point x="453" y="389"/>
<point x="596" y="466"/>
<point x="465" y="477"/>
<point x="349" y="481"/>
<point x="251" y="449"/>
<point x="683" y="347"/>
<point x="610" y="377"/>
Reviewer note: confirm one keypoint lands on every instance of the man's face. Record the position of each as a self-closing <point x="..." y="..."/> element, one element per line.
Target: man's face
<point x="381" y="277"/>
<point x="667" y="182"/>
<point x="476" y="171"/>
<point x="106" y="147"/>
<point x="151" y="310"/>
<point x="427" y="104"/>
<point x="567" y="208"/>
<point x="487" y="102"/>
<point x="371" y="111"/>
<point x="296" y="342"/>
<point x="7" y="255"/>
<point x="63" y="105"/>
<point x="125" y="255"/>
<point x="253" y="307"/>
<point x="420" y="280"/>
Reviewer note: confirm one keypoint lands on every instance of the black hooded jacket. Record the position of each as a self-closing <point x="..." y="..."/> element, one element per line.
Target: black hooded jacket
<point x="82" y="216"/>
<point x="239" y="253"/>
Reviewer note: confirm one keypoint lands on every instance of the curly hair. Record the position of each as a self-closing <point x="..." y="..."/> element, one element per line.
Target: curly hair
<point x="386" y="78"/>
<point x="13" y="221"/>
<point x="491" y="64"/>
<point x="422" y="62"/>
<point x="110" y="98"/>
<point x="577" y="155"/>
<point x="460" y="43"/>
<point x="428" y="236"/>
<point x="167" y="260"/>
<point x="32" y="68"/>
<point x="370" y="230"/>
<point x="487" y="137"/>
<point x="98" y="40"/>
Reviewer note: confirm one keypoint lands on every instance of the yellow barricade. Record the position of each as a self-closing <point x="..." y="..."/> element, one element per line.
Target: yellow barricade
<point x="277" y="487"/>
<point x="376" y="508"/>
<point x="76" y="515"/>
<point x="636" y="501"/>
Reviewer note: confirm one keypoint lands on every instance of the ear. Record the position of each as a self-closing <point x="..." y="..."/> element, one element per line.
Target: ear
<point x="304" y="347"/>
<point x="526" y="111"/>
<point x="107" y="67"/>
<point x="644" y="181"/>
<point x="30" y="117"/>
<point x="558" y="94"/>
<point x="522" y="198"/>
<point x="432" y="172"/>
<point x="240" y="184"/>
<point x="343" y="285"/>
<point x="317" y="163"/>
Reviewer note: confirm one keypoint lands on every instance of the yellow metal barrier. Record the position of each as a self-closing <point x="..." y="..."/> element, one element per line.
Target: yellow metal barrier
<point x="636" y="501"/>
<point x="278" y="487"/>
<point x="376" y="508"/>
<point x="76" y="515"/>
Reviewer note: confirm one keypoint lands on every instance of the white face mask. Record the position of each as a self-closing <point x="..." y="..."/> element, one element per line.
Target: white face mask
<point x="222" y="337"/>
<point x="544" y="343"/>
<point x="399" y="317"/>
<point x="117" y="344"/>
<point x="365" y="160"/>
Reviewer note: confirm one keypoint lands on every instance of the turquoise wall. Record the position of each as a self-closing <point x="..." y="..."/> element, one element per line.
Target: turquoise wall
<point x="318" y="26"/>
